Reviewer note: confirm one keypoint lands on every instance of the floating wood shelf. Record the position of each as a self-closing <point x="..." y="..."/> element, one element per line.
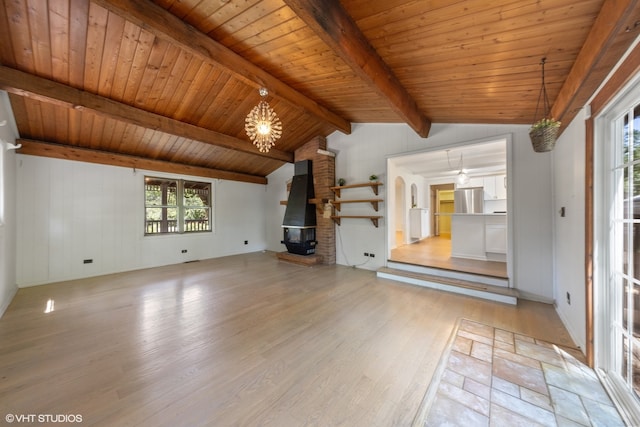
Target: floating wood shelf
<point x="374" y="202"/>
<point x="374" y="186"/>
<point x="318" y="202"/>
<point x="311" y="202"/>
<point x="374" y="219"/>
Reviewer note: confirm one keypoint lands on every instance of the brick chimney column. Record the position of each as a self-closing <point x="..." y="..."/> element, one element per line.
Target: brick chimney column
<point x="324" y="176"/>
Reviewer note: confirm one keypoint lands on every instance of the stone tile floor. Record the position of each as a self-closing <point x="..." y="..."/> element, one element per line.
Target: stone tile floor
<point x="493" y="377"/>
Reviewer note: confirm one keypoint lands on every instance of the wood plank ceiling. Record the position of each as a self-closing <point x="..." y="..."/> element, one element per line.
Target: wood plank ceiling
<point x="167" y="84"/>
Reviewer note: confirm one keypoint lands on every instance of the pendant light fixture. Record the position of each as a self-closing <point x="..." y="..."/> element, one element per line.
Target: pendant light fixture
<point x="263" y="125"/>
<point x="462" y="178"/>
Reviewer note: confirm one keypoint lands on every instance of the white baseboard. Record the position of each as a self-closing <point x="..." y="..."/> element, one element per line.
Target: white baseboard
<point x="6" y="304"/>
<point x="574" y="336"/>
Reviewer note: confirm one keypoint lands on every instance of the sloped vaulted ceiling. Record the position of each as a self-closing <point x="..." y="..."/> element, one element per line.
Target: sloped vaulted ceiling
<point x="166" y="84"/>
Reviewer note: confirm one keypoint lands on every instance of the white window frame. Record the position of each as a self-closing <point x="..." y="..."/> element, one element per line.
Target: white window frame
<point x="607" y="247"/>
<point x="180" y="206"/>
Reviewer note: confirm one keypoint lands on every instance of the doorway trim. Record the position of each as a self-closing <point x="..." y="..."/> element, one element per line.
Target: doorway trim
<point x="392" y="173"/>
<point x="400" y="223"/>
<point x="433" y="198"/>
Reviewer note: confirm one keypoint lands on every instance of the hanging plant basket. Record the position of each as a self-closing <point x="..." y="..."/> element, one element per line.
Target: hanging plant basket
<point x="543" y="139"/>
<point x="543" y="135"/>
<point x="544" y="132"/>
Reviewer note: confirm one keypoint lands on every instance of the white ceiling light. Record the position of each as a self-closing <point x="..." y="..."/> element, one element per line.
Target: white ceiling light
<point x="462" y="179"/>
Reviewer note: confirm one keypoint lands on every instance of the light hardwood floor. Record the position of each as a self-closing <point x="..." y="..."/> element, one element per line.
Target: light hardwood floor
<point x="436" y="252"/>
<point x="243" y="340"/>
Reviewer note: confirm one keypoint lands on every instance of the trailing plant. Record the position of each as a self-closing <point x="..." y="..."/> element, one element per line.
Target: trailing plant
<point x="546" y="123"/>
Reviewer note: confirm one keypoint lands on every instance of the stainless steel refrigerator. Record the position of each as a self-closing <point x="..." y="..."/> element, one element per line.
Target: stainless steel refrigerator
<point x="468" y="200"/>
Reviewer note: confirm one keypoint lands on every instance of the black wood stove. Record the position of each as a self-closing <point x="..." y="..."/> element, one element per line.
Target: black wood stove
<point x="299" y="222"/>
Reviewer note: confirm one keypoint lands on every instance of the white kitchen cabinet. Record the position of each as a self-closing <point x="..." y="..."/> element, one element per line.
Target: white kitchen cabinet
<point x="479" y="236"/>
<point x="467" y="236"/>
<point x="501" y="187"/>
<point x="496" y="238"/>
<point x="419" y="223"/>
<point x="474" y="182"/>
<point x="489" y="184"/>
<point x="495" y="187"/>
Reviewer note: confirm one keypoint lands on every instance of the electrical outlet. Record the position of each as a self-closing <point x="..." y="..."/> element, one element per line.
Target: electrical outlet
<point x="568" y="298"/>
<point x="184" y="251"/>
<point x="88" y="261"/>
<point x="366" y="254"/>
<point x="372" y="255"/>
<point x="246" y="242"/>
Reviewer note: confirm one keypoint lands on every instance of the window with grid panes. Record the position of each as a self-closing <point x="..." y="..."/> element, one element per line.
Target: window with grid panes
<point x="177" y="206"/>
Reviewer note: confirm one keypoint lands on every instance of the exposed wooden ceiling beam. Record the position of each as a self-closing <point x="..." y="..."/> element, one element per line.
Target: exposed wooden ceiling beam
<point x="335" y="27"/>
<point x="167" y="26"/>
<point x="615" y="28"/>
<point x="58" y="151"/>
<point x="31" y="86"/>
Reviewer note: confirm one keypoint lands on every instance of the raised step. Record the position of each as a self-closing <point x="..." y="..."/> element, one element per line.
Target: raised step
<point x="450" y="274"/>
<point x="466" y="287"/>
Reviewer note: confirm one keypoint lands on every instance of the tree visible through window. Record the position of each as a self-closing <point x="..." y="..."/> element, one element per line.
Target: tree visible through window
<point x="176" y="206"/>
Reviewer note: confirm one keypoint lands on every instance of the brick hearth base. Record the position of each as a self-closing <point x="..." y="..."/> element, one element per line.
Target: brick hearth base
<point x="307" y="260"/>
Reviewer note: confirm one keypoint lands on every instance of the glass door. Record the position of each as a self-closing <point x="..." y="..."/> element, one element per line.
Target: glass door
<point x="625" y="283"/>
<point x="617" y="252"/>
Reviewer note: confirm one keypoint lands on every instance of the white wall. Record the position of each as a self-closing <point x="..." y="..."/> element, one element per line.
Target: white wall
<point x="365" y="151"/>
<point x="71" y="211"/>
<point x="397" y="224"/>
<point x="358" y="156"/>
<point x="276" y="192"/>
<point x="398" y="219"/>
<point x="569" y="231"/>
<point x="8" y="135"/>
